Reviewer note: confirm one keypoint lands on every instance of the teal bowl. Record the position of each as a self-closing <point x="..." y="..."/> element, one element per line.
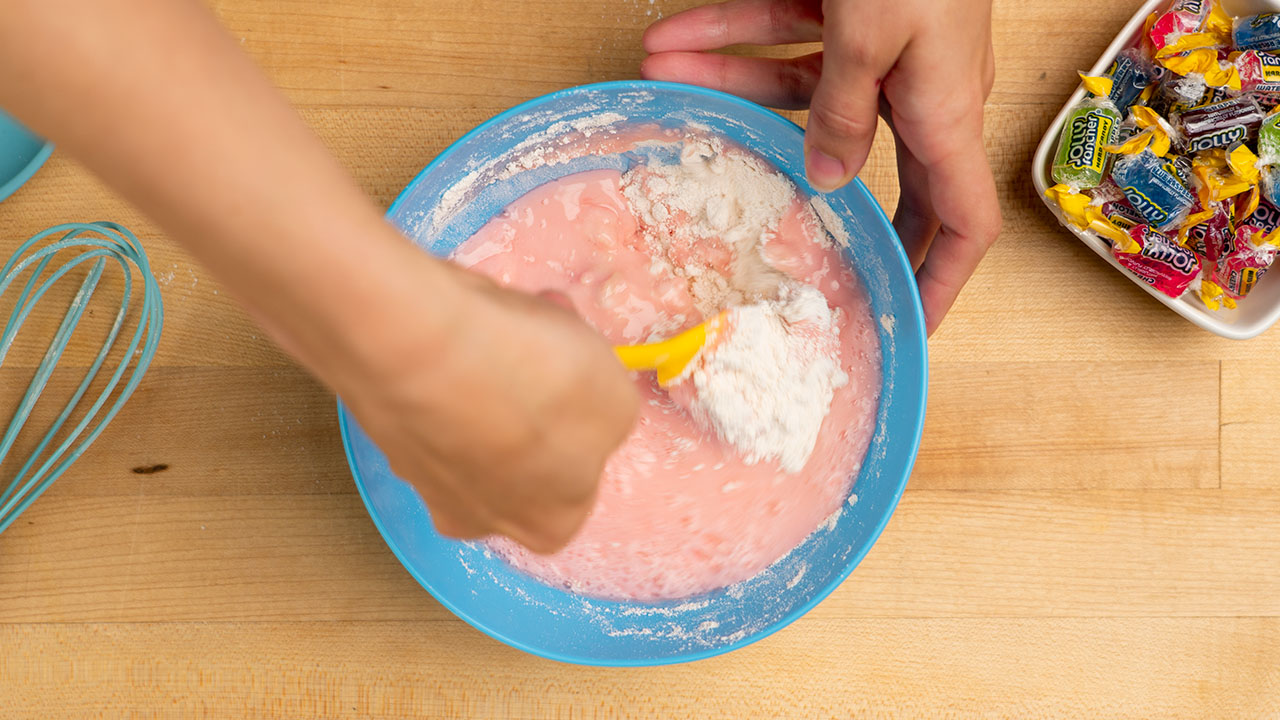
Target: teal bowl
<point x="21" y="155"/>
<point x="554" y="623"/>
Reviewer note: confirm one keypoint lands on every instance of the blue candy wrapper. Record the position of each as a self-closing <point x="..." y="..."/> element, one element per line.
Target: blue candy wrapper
<point x="1130" y="74"/>
<point x="1153" y="190"/>
<point x="1258" y="32"/>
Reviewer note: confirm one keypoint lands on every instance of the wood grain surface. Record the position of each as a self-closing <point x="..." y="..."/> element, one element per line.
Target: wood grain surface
<point x="1093" y="528"/>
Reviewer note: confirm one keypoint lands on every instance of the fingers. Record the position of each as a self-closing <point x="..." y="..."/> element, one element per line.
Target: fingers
<point x="988" y="74"/>
<point x="544" y="528"/>
<point x="449" y="513"/>
<point x="753" y="22"/>
<point x="546" y="524"/>
<point x="964" y="196"/>
<point x="948" y="266"/>
<point x="784" y="84"/>
<point x="842" y="119"/>
<point x="844" y="108"/>
<point x="915" y="220"/>
<point x="937" y="114"/>
<point x="452" y="515"/>
<point x="457" y="528"/>
<point x="551" y="530"/>
<point x="542" y="511"/>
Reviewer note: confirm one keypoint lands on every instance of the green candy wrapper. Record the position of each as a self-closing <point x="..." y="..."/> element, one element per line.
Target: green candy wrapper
<point x="1081" y="161"/>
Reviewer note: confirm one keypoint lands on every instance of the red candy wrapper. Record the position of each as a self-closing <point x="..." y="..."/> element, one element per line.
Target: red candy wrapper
<point x="1241" y="268"/>
<point x="1213" y="238"/>
<point x="1259" y="72"/>
<point x="1159" y="260"/>
<point x="1182" y="18"/>
<point x="1266" y="216"/>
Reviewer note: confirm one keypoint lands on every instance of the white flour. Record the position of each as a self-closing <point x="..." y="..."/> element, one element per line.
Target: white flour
<point x="712" y="195"/>
<point x="728" y="195"/>
<point x="767" y="387"/>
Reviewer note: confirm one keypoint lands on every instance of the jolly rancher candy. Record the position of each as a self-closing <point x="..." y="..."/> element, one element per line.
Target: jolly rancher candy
<point x="1259" y="72"/>
<point x="1176" y="94"/>
<point x="1130" y="74"/>
<point x="1269" y="140"/>
<point x="1271" y="183"/>
<point x="1257" y="32"/>
<point x="1081" y="161"/>
<point x="1187" y="205"/>
<point x="1159" y="260"/>
<point x="1213" y="238"/>
<point x="1220" y="124"/>
<point x="1266" y="216"/>
<point x="1240" y="270"/>
<point x="1182" y="18"/>
<point x="1121" y="214"/>
<point x="1153" y="190"/>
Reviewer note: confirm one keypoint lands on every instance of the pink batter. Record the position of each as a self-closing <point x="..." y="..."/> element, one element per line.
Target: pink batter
<point x="678" y="513"/>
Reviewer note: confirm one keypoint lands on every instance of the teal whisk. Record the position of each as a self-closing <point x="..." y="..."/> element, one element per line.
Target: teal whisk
<point x="95" y="246"/>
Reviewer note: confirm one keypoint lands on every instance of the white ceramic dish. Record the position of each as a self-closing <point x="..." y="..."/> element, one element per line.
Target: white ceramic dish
<point x="1258" y="312"/>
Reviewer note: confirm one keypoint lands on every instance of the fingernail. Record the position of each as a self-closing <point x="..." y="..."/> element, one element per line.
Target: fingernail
<point x="825" y="172"/>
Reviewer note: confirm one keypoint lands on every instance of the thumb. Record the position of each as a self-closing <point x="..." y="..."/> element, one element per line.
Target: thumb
<point x="845" y="107"/>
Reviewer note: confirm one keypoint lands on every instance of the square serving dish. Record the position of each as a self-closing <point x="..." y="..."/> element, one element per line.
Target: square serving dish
<point x="1257" y="312"/>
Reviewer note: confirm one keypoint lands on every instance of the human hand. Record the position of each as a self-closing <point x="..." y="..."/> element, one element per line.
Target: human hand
<point x="925" y="65"/>
<point x="503" y="417"/>
<point x="501" y="409"/>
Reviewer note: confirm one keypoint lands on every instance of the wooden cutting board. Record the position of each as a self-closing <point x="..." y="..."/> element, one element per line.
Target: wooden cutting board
<point x="1093" y="528"/>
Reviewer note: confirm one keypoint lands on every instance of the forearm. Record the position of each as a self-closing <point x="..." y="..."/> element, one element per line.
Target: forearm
<point x="154" y="97"/>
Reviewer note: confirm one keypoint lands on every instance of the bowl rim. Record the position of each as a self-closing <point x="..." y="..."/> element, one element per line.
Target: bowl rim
<point x="28" y="171"/>
<point x="1188" y="308"/>
<point x="917" y="413"/>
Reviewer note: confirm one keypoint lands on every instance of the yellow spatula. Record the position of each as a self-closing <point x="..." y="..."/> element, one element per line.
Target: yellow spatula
<point x="670" y="357"/>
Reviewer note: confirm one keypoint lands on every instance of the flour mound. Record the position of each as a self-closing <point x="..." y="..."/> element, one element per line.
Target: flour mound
<point x="768" y="385"/>
<point x="715" y="195"/>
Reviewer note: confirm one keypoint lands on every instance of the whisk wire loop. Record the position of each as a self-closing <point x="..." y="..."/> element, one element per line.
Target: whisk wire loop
<point x="100" y="243"/>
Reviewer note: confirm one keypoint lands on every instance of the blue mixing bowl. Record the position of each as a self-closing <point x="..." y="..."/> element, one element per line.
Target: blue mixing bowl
<point x="520" y="611"/>
<point x="21" y="155"/>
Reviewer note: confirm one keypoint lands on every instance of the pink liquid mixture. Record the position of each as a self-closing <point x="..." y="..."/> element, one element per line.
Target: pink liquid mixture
<point x="679" y="513"/>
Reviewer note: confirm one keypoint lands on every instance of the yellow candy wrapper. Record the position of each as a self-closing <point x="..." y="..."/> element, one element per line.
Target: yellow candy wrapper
<point x="1243" y="163"/>
<point x="1271" y="238"/>
<point x="1219" y="24"/>
<point x="1184" y="233"/>
<point x="1098" y="85"/>
<point x="1225" y="174"/>
<point x="1204" y="61"/>
<point x="1159" y="144"/>
<point x="1078" y="209"/>
<point x="1214" y="297"/>
<point x="1189" y="42"/>
<point x="1155" y="134"/>
<point x="1247" y="206"/>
